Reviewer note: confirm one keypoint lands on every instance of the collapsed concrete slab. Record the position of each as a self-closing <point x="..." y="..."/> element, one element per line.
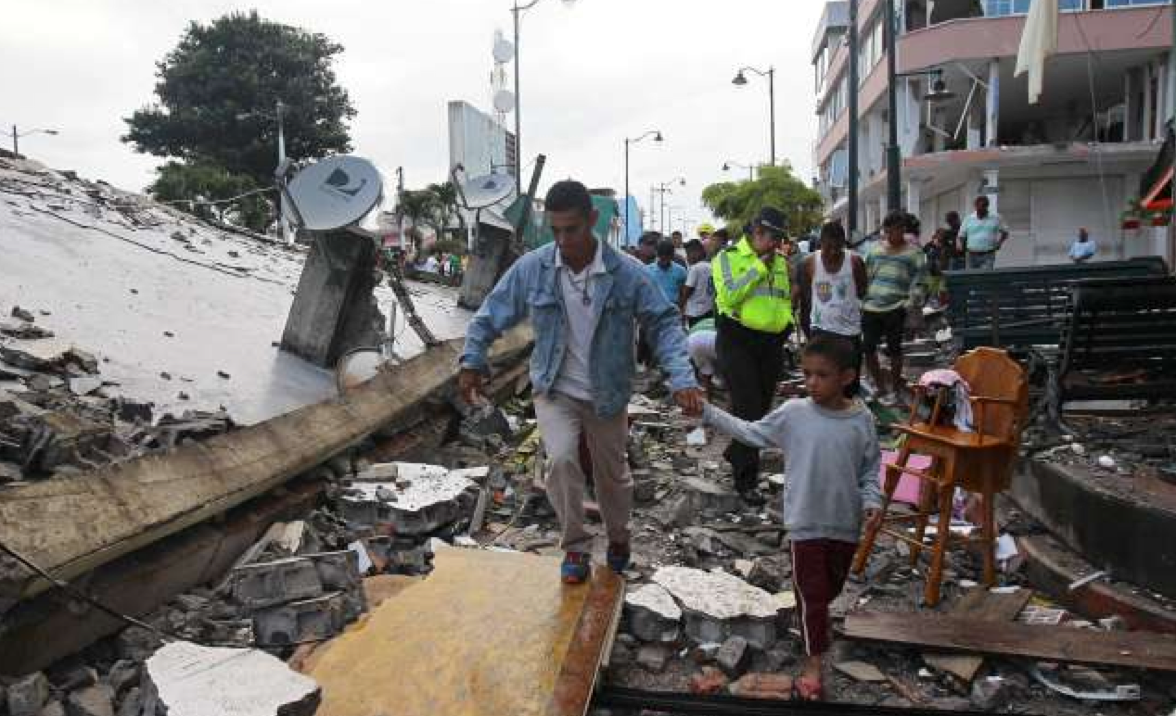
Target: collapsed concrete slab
<point x="718" y="606"/>
<point x="193" y="680"/>
<point x="652" y="614"/>
<point x="124" y="507"/>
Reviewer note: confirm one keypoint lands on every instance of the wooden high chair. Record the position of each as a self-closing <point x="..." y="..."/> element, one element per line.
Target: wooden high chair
<point x="979" y="462"/>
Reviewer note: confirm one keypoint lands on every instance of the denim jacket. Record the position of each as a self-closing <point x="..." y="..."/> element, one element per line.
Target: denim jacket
<point x="623" y="296"/>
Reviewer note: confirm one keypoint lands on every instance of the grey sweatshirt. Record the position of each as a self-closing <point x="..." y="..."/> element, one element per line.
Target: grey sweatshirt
<point x="831" y="458"/>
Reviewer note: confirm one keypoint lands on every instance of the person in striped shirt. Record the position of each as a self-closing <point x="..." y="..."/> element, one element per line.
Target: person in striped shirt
<point x="897" y="272"/>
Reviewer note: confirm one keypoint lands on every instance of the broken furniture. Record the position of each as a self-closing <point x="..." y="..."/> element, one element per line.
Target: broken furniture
<point x="1021" y="308"/>
<point x="1118" y="343"/>
<point x="978" y="462"/>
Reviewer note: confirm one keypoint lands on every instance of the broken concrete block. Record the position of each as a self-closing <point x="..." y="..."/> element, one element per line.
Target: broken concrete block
<point x="707" y="495"/>
<point x="27" y="696"/>
<point x="718" y="605"/>
<point x="136" y="644"/>
<point x="419" y="499"/>
<point x="733" y="656"/>
<point x="54" y="708"/>
<point x="43" y="354"/>
<point x="132" y="703"/>
<point x="270" y="583"/>
<point x="192" y="680"/>
<point x="300" y="621"/>
<point x="123" y="675"/>
<point x="337" y="571"/>
<point x="84" y="385"/>
<point x="652" y="614"/>
<point x="653" y="657"/>
<point x="23" y="314"/>
<point x="96" y="700"/>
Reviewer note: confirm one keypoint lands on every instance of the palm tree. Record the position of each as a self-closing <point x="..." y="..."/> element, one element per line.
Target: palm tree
<point x="420" y="208"/>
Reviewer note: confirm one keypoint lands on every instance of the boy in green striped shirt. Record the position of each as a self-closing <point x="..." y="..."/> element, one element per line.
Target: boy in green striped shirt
<point x="897" y="271"/>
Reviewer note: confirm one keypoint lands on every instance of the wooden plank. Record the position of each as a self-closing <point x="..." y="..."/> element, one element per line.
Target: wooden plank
<point x="980" y="605"/>
<point x="70" y="526"/>
<point x="589" y="646"/>
<point x="484" y="633"/>
<point x="1138" y="650"/>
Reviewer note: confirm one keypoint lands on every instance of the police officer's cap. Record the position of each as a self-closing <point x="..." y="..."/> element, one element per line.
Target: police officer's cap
<point x="773" y="220"/>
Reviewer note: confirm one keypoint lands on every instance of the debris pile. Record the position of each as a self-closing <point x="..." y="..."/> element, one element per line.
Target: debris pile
<point x="58" y="416"/>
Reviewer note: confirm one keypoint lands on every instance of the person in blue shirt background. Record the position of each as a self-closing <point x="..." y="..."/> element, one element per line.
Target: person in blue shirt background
<point x="666" y="274"/>
<point x="1084" y="248"/>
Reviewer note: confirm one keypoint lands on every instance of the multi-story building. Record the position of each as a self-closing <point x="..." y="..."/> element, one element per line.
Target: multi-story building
<point x="1073" y="159"/>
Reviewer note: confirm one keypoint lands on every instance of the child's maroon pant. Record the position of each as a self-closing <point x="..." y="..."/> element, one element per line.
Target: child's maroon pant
<point x="819" y="570"/>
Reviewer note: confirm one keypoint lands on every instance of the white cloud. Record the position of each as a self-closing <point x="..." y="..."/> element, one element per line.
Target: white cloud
<point x="592" y="73"/>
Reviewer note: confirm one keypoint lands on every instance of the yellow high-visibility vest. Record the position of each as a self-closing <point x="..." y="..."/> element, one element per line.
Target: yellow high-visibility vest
<point x="749" y="291"/>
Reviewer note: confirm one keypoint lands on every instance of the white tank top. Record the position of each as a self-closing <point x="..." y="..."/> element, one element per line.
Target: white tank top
<point x="836" y="307"/>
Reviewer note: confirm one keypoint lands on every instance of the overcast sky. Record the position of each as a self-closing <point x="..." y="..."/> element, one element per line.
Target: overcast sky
<point x="592" y="73"/>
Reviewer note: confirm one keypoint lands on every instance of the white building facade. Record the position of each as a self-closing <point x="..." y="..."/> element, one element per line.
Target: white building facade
<point x="1074" y="159"/>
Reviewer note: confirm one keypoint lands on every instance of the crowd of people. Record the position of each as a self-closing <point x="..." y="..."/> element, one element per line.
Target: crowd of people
<point x="719" y="311"/>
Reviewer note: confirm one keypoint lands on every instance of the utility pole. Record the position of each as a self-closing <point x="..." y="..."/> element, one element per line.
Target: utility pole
<point x="893" y="157"/>
<point x="852" y="180"/>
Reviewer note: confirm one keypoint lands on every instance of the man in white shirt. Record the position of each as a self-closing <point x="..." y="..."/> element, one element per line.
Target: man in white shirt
<point x="1083" y="249"/>
<point x="697" y="301"/>
<point x="983" y="234"/>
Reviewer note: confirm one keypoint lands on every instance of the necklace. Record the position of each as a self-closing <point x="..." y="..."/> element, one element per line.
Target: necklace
<point x="581" y="286"/>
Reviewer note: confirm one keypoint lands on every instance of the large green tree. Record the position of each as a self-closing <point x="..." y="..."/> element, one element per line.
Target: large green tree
<point x="217" y="94"/>
<point x="738" y="202"/>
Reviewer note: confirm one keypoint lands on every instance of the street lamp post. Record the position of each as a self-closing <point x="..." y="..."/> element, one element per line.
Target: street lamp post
<point x="16" y="135"/>
<point x="516" y="11"/>
<point x="664" y="188"/>
<point x="740" y="80"/>
<point x="657" y="137"/>
<point x="749" y="167"/>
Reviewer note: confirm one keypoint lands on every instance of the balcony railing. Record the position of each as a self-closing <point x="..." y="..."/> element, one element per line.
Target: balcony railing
<point x="1005" y="8"/>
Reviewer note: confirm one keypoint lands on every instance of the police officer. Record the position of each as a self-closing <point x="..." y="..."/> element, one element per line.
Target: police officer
<point x="753" y="302"/>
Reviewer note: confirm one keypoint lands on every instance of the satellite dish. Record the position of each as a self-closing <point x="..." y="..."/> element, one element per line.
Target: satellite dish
<point x="486" y="190"/>
<point x="336" y="192"/>
<point x="503" y="50"/>
<point x="504" y="100"/>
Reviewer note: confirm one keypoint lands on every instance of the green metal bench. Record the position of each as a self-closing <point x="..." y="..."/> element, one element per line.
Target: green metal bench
<point x="1119" y="343"/>
<point x="1026" y="309"/>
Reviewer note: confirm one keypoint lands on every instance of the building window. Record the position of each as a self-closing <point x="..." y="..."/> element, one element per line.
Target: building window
<point x="1001" y="8"/>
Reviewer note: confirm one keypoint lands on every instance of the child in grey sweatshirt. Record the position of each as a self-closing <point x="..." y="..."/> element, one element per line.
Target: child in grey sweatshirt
<point x="832" y="460"/>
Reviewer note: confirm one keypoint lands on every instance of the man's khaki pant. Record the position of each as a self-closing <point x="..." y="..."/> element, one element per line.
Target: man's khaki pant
<point x="561" y="420"/>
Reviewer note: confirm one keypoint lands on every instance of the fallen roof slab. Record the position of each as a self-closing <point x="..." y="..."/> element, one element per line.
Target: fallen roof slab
<point x="72" y="525"/>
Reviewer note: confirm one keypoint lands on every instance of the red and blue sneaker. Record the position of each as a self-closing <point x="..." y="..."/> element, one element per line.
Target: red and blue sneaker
<point x="576" y="568"/>
<point x="618" y="556"/>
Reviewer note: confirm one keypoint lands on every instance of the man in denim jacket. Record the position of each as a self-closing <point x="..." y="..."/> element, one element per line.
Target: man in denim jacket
<point x="584" y="300"/>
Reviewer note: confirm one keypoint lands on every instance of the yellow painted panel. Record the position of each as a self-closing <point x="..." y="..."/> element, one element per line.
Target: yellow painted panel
<point x="486" y="634"/>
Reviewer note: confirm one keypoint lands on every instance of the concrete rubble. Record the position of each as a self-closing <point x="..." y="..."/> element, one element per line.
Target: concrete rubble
<point x="58" y="415"/>
<point x="185" y="679"/>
